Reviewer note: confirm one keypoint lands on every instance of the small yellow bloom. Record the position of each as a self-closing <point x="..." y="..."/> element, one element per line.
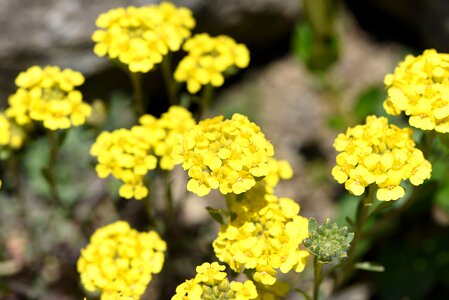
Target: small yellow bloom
<point x="119" y="261"/>
<point x="208" y="59"/>
<point x="265" y="235"/>
<point x="48" y="95"/>
<point x="140" y="37"/>
<point x="229" y="155"/>
<point x="126" y="154"/>
<point x="211" y="283"/>
<point x="11" y="135"/>
<point x="174" y="122"/>
<point x="379" y="153"/>
<point x="419" y="87"/>
<point x="129" y="154"/>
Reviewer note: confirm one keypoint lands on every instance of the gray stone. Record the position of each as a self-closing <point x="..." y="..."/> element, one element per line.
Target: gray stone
<point x="58" y="32"/>
<point x="418" y="23"/>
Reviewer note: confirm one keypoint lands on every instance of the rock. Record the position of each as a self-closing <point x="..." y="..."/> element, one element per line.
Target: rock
<point x="418" y="23"/>
<point x="58" y="32"/>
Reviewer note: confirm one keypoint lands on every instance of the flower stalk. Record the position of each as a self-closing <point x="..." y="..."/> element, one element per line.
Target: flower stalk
<point x="139" y="101"/>
<point x="50" y="171"/>
<point x="361" y="219"/>
<point x="169" y="82"/>
<point x="317" y="267"/>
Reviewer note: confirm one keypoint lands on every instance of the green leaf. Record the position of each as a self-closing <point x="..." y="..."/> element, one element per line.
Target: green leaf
<point x="302" y="41"/>
<point x="442" y="197"/>
<point x="350" y="222"/>
<point x="337" y="122"/>
<point x="217" y="214"/>
<point x="61" y="137"/>
<point x="350" y="237"/>
<point x="382" y="206"/>
<point x="346" y="208"/>
<point x="46" y="174"/>
<point x="369" y="102"/>
<point x="444" y="138"/>
<point x="313" y="225"/>
<point x="369" y="266"/>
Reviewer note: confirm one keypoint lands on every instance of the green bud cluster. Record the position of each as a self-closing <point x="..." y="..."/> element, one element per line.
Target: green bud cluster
<point x="328" y="241"/>
<point x="221" y="291"/>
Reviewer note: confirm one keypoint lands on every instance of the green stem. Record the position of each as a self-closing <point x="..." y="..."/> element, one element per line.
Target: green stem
<point x="54" y="147"/>
<point x="303" y="293"/>
<point x="139" y="102"/>
<point x="329" y="271"/>
<point x="361" y="218"/>
<point x="429" y="137"/>
<point x="170" y="211"/>
<point x="206" y="98"/>
<point x="149" y="209"/>
<point x="317" y="266"/>
<point x="13" y="167"/>
<point x="169" y="82"/>
<point x="388" y="218"/>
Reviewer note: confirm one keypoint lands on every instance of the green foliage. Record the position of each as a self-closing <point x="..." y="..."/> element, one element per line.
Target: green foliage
<point x="71" y="168"/>
<point x="369" y="102"/>
<point x="218" y="215"/>
<point x="347" y="208"/>
<point x="369" y="266"/>
<point x="317" y="52"/>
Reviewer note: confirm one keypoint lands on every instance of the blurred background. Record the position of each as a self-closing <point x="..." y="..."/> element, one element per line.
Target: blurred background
<point x="317" y="67"/>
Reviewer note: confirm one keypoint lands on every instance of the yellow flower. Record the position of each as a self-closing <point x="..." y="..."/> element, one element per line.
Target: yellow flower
<point x="211" y="283"/>
<point x="419" y="87"/>
<point x="379" y="153"/>
<point x="48" y="95"/>
<point x="119" y="261"/>
<point x="139" y="37"/>
<point x="207" y="60"/>
<point x="174" y="122"/>
<point x="228" y="155"/>
<point x="279" y="169"/>
<point x="265" y="235"/>
<point x="11" y="135"/>
<point x="128" y="154"/>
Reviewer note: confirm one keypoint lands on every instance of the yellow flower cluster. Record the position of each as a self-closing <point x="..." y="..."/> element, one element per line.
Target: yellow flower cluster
<point x="379" y="153"/>
<point x="120" y="261"/>
<point x="278" y="169"/>
<point x="229" y="155"/>
<point x="140" y="36"/>
<point x="48" y="95"/>
<point x="264" y="235"/>
<point x="208" y="58"/>
<point x="128" y="154"/>
<point x="420" y="88"/>
<point x="173" y="123"/>
<point x="11" y="135"/>
<point x="211" y="283"/>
